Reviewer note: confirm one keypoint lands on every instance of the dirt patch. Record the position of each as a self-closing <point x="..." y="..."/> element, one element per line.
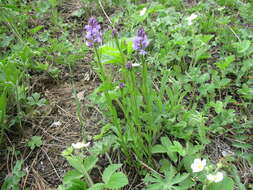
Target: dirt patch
<point x="58" y="126"/>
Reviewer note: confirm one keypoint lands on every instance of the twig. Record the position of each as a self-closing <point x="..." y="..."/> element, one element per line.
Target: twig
<point x="51" y="164"/>
<point x="148" y="167"/>
<point x="26" y="177"/>
<point x="234" y="33"/>
<point x="100" y="4"/>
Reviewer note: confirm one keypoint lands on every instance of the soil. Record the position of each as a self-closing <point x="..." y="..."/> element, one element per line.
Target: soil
<point x="58" y="125"/>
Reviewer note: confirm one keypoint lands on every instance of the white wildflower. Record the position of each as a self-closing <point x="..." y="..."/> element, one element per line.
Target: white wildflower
<point x="80" y="145"/>
<point x="198" y="165"/>
<point x="191" y="18"/>
<point x="143" y="11"/>
<point x="56" y="123"/>
<point x="135" y="65"/>
<point x="216" y="177"/>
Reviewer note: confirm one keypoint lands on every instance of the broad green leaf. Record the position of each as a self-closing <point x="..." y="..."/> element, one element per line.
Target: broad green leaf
<point x="77" y="184"/>
<point x="71" y="175"/>
<point x="83" y="165"/>
<point x="242" y="145"/>
<point x="117" y="180"/>
<point x="242" y="46"/>
<point x="77" y="163"/>
<point x="97" y="186"/>
<point x="110" y="53"/>
<point x="109" y="172"/>
<point x="177" y="147"/>
<point x="158" y="149"/>
<point x="223" y="64"/>
<point x="226" y="184"/>
<point x="187" y="162"/>
<point x="35" y="142"/>
<point x="180" y="178"/>
<point x="90" y="162"/>
<point x="166" y="141"/>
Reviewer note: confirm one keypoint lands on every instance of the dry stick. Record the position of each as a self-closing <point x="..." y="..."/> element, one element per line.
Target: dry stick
<point x="24" y="183"/>
<point x="100" y="4"/>
<point x="133" y="182"/>
<point x="148" y="167"/>
<point x="69" y="114"/>
<point x="137" y="186"/>
<point x="8" y="155"/>
<point x="51" y="164"/>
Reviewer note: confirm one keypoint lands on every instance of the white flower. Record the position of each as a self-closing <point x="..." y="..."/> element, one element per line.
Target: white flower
<point x="215" y="178"/>
<point x="80" y="145"/>
<point x="198" y="165"/>
<point x="143" y="11"/>
<point x="135" y="65"/>
<point x="56" y="123"/>
<point x="191" y="18"/>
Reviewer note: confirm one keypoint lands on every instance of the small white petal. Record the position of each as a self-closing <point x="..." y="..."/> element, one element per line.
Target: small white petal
<point x="143" y="11"/>
<point x="56" y="123"/>
<point x="218" y="177"/>
<point x="198" y="165"/>
<point x="215" y="178"/>
<point x="210" y="177"/>
<point x="204" y="162"/>
<point x="191" y="18"/>
<point x="80" y="145"/>
<point x="135" y="65"/>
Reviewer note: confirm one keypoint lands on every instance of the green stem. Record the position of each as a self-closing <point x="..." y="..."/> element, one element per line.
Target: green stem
<point x="112" y="109"/>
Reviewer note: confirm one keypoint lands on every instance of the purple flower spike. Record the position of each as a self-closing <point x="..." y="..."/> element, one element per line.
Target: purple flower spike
<point x="121" y="85"/>
<point x="129" y="66"/>
<point x="114" y="32"/>
<point x="93" y="34"/>
<point x="141" y="42"/>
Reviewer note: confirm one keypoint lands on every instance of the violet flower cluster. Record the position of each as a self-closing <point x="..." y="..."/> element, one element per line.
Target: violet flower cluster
<point x="93" y="34"/>
<point x="140" y="42"/>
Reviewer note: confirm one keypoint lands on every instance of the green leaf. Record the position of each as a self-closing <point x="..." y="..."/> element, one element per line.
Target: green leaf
<point x="90" y="162"/>
<point x="106" y="128"/>
<point x="35" y="142"/>
<point x="187" y="161"/>
<point x="178" y="148"/>
<point x="72" y="175"/>
<point x="36" y="29"/>
<point x="222" y="65"/>
<point x="117" y="180"/>
<point x="77" y="184"/>
<point x="180" y="178"/>
<point x="77" y="163"/>
<point x="109" y="172"/>
<point x="97" y="186"/>
<point x="3" y="103"/>
<point x="110" y="53"/>
<point x="242" y="46"/>
<point x="226" y="184"/>
<point x="78" y="12"/>
<point x="242" y="145"/>
<point x="158" y="149"/>
<point x="83" y="165"/>
<point x="218" y="106"/>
